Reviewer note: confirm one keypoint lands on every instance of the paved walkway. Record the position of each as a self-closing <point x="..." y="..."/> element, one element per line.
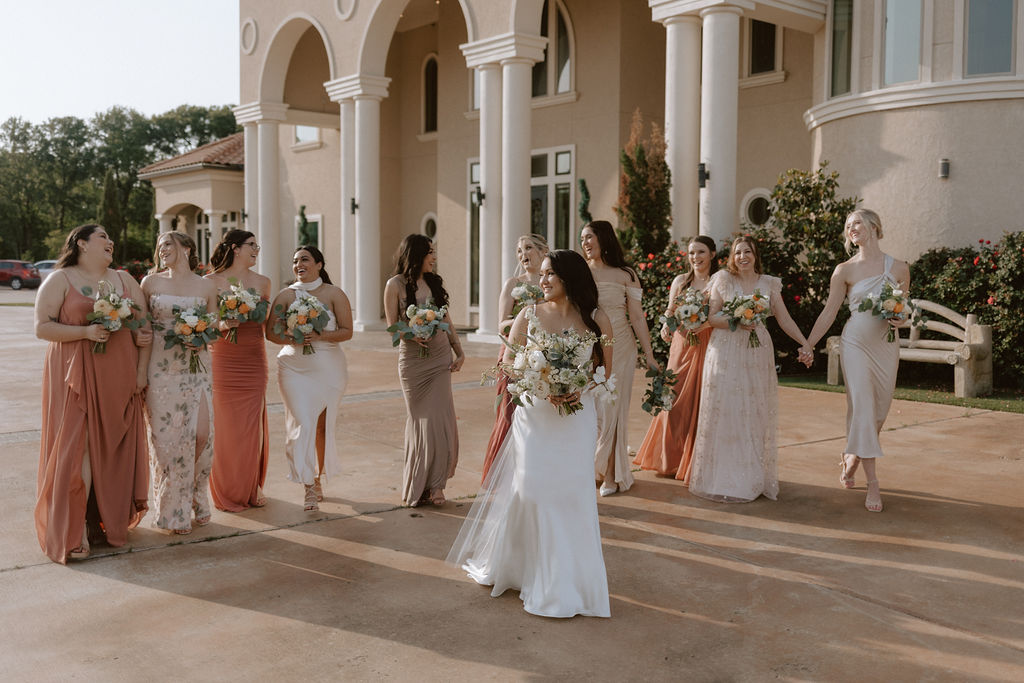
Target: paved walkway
<point x="811" y="587"/>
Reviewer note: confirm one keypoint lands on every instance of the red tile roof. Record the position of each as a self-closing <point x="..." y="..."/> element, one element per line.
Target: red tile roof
<point x="227" y="153"/>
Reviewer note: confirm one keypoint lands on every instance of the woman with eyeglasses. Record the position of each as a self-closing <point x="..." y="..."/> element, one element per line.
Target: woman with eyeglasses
<point x="240" y="445"/>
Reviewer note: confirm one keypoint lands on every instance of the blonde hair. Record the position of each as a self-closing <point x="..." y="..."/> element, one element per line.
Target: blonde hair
<point x="868" y="218"/>
<point x="538" y="241"/>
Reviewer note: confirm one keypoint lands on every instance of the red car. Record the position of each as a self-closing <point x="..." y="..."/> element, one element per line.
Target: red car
<point x="19" y="274"/>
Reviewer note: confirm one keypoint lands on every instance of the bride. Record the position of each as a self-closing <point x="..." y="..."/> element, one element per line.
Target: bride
<point x="533" y="526"/>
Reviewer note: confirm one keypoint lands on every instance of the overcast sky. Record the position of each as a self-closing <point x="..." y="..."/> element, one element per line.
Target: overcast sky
<point x="77" y="58"/>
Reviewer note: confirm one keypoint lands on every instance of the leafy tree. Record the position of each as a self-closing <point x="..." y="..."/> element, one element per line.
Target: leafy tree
<point x="186" y="127"/>
<point x="644" y="208"/>
<point x="584" y="206"/>
<point x="66" y="157"/>
<point x="109" y="212"/>
<point x="22" y="191"/>
<point x="123" y="137"/>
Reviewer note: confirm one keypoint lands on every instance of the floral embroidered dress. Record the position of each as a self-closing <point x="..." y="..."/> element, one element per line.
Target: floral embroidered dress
<point x="173" y="402"/>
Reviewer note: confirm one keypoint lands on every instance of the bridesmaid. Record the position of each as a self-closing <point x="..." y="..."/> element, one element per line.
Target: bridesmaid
<point x="431" y="432"/>
<point x="179" y="403"/>
<point x="619" y="296"/>
<point x="735" y="453"/>
<point x="92" y="455"/>
<point x="312" y="384"/>
<point x="668" y="447"/>
<point x="241" y="448"/>
<point x="870" y="361"/>
<point x="530" y="252"/>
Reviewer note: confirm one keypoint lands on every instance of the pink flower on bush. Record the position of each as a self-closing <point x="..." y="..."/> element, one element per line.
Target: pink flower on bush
<point x="991" y="301"/>
<point x="977" y="260"/>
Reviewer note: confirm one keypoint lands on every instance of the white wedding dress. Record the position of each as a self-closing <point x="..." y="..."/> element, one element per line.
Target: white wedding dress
<point x="533" y="526"/>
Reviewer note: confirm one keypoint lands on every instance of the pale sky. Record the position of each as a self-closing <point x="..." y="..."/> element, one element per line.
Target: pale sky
<point x="78" y="58"/>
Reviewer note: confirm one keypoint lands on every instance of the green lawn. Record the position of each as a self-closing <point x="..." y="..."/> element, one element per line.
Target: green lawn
<point x="1005" y="400"/>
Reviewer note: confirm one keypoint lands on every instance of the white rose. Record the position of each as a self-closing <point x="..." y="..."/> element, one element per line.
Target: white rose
<point x="889" y="305"/>
<point x="542" y="389"/>
<point x="103" y="306"/>
<point x="292" y="320"/>
<point x="190" y="320"/>
<point x="519" y="361"/>
<point x="537" y="360"/>
<point x="599" y="375"/>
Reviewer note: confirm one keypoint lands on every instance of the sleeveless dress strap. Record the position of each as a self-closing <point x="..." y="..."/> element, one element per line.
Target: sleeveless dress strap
<point x="889" y="260"/>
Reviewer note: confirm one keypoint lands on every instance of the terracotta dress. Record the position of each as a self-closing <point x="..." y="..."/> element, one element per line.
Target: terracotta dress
<point x="668" y="447"/>
<point x="89" y="402"/>
<point x="613" y="417"/>
<point x="240" y="448"/>
<point x="431" y="432"/>
<point x="173" y="402"/>
<point x="502" y="422"/>
<point x="870" y="363"/>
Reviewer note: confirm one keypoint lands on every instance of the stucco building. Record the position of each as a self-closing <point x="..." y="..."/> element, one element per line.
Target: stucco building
<point x="473" y="121"/>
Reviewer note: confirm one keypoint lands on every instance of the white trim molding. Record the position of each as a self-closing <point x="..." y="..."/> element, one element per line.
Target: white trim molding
<point x="254" y="112"/>
<point x="248" y="35"/>
<point x="357" y="85"/>
<point x="915" y="95"/>
<point x="507" y="46"/>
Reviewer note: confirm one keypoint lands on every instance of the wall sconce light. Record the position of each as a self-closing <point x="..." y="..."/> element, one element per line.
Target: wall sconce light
<point x="944" y="168"/>
<point x="352" y="206"/>
<point x="478" y="195"/>
<point x="703" y="175"/>
<point x="245" y="217"/>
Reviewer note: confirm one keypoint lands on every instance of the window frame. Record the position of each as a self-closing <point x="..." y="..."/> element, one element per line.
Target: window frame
<point x="962" y="24"/>
<point x="317" y="218"/>
<point x="923" y="47"/>
<point x="776" y="75"/>
<point x="425" y="135"/>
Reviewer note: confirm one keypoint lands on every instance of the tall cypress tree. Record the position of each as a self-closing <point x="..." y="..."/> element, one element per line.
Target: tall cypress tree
<point x="644" y="208"/>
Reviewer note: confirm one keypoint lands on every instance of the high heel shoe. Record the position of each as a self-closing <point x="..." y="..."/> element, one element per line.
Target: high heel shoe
<point x="309" y="505"/>
<point x="844" y="480"/>
<point x="607" y="490"/>
<point x="873" y="505"/>
<point x="318" y="489"/>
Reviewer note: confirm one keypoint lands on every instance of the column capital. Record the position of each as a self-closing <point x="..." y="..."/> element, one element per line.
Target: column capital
<point x="348" y="87"/>
<point x="497" y="49"/>
<point x="662" y="10"/>
<point x="257" y="112"/>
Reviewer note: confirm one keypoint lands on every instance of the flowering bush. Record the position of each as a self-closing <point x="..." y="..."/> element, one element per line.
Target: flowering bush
<point x="137" y="269"/>
<point x="987" y="280"/>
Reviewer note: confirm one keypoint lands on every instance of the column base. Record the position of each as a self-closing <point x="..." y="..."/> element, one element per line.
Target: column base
<point x="369" y="325"/>
<point x="485" y="337"/>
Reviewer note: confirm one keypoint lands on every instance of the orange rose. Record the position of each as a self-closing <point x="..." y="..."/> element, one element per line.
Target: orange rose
<point x="231" y="303"/>
<point x="113" y="314"/>
<point x="313" y="313"/>
<point x="185" y="330"/>
<point x="200" y="326"/>
<point x="694" y="318"/>
<point x="243" y="309"/>
<point x="748" y="314"/>
<point x="301" y="320"/>
<point x="898" y="308"/>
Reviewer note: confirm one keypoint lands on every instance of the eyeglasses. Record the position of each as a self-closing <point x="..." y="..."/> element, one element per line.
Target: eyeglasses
<point x="255" y="247"/>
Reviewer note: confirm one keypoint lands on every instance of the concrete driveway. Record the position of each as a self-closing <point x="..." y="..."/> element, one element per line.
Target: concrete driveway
<point x="811" y="587"/>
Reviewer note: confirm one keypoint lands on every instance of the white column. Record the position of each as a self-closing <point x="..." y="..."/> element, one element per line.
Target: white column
<point x="682" y="120"/>
<point x="369" y="299"/>
<point x="164" y="219"/>
<point x="348" y="192"/>
<point x="491" y="209"/>
<point x="215" y="226"/>
<point x="515" y="158"/>
<point x="252" y="154"/>
<point x="719" y="119"/>
<point x="268" y="230"/>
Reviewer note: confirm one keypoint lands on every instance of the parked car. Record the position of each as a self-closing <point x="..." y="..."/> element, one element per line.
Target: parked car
<point x="45" y="268"/>
<point x="19" y="274"/>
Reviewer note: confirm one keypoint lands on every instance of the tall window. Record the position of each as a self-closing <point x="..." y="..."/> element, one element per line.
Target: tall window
<point x="902" y="41"/>
<point x="842" y="44"/>
<point x="551" y="180"/>
<point x="554" y="75"/>
<point x="989" y="37"/>
<point x="762" y="47"/>
<point x="430" y="95"/>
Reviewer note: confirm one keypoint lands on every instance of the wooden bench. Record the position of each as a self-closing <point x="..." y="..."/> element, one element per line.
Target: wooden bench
<point x="969" y="352"/>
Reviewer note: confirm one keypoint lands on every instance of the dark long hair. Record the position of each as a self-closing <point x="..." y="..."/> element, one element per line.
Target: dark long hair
<point x="580" y="288"/>
<point x="318" y="257"/>
<point x="611" y="250"/>
<point x="224" y="255"/>
<point x="184" y="240"/>
<point x="710" y="244"/>
<point x="745" y="239"/>
<point x="409" y="264"/>
<point x="70" y="252"/>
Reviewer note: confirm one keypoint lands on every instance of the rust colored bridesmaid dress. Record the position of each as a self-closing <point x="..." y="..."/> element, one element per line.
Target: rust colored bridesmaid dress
<point x="89" y="402"/>
<point x="668" y="446"/>
<point x="241" y="448"/>
<point x="502" y="421"/>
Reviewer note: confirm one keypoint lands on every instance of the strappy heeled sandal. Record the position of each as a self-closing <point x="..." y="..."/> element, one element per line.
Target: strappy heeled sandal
<point x="437" y="497"/>
<point x="318" y="489"/>
<point x="847" y="482"/>
<point x="871" y="505"/>
<point x="310" y="505"/>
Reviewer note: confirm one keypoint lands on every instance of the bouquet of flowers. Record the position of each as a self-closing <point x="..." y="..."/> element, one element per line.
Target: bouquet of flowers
<point x="557" y="364"/>
<point x="891" y="303"/>
<point x="303" y="317"/>
<point x="525" y="294"/>
<point x="424" y="322"/>
<point x="659" y="394"/>
<point x="747" y="309"/>
<point x="112" y="311"/>
<point x="691" y="312"/>
<point x="242" y="305"/>
<point x="193" y="329"/>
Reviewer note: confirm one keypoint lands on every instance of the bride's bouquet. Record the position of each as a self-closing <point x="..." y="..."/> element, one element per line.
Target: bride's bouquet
<point x="525" y="294"/>
<point x="303" y="318"/>
<point x="241" y="304"/>
<point x="112" y="311"/>
<point x="659" y="394"/>
<point x="891" y="303"/>
<point x="193" y="329"/>
<point x="747" y="309"/>
<point x="557" y="364"/>
<point x="691" y="312"/>
<point x="425" y="321"/>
